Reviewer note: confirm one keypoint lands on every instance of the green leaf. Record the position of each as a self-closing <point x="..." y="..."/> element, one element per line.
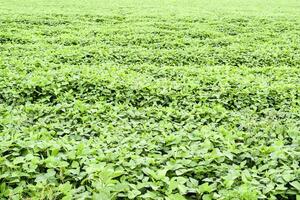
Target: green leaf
<point x="176" y="197"/>
<point x="207" y="197"/>
<point x="296" y="185"/>
<point x="102" y="195"/>
<point x="133" y="194"/>
<point x="205" y="187"/>
<point x="65" y="188"/>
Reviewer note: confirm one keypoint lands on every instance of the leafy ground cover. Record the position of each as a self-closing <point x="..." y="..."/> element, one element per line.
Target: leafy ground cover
<point x="149" y="99"/>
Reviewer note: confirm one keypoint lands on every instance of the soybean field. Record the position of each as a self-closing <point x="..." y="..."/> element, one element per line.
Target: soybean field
<point x="150" y="99"/>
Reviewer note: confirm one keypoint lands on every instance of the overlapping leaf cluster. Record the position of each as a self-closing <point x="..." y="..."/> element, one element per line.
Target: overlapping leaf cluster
<point x="144" y="107"/>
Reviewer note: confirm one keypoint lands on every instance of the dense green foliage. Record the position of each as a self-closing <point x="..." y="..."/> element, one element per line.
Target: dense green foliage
<point x="149" y="99"/>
